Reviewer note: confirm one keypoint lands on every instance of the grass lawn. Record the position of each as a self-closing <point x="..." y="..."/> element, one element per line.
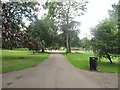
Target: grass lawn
<point x="81" y="60"/>
<point x="105" y="66"/>
<point x="13" y="60"/>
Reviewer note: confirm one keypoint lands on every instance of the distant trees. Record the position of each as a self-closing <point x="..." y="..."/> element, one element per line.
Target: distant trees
<point x="86" y="43"/>
<point x="105" y="36"/>
<point x="75" y="40"/>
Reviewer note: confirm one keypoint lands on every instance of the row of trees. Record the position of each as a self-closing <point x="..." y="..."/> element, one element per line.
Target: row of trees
<point x="57" y="28"/>
<point x="46" y="30"/>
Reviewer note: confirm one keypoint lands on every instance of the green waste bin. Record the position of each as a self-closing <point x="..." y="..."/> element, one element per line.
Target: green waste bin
<point x="93" y="63"/>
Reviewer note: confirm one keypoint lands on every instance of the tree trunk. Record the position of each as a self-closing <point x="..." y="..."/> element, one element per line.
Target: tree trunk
<point x="11" y="48"/>
<point x="43" y="50"/>
<point x="68" y="50"/>
<point x="108" y="56"/>
<point x="67" y="44"/>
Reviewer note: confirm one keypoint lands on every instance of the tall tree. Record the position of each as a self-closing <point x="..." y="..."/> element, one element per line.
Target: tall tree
<point x="115" y="18"/>
<point x="12" y="20"/>
<point x="105" y="40"/>
<point x="63" y="14"/>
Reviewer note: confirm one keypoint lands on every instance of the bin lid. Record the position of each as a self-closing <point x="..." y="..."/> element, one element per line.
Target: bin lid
<point x="93" y="57"/>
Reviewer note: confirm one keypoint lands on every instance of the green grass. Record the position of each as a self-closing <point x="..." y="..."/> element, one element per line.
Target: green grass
<point x="81" y="60"/>
<point x="105" y="66"/>
<point x="13" y="60"/>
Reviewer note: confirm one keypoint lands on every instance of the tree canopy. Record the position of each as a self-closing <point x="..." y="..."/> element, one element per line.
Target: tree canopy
<point x="12" y="22"/>
<point x="105" y="36"/>
<point x="63" y="14"/>
<point x="43" y="30"/>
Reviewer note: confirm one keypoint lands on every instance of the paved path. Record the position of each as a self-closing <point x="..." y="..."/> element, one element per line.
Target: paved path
<point x="56" y="72"/>
<point x="0" y="81"/>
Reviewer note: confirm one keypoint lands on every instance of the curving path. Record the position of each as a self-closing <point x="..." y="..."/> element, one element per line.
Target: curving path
<point x="57" y="72"/>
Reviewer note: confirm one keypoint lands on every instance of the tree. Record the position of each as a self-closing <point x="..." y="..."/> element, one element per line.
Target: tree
<point x="12" y="21"/>
<point x="75" y="40"/>
<point x="63" y="14"/>
<point x="115" y="18"/>
<point x="44" y="30"/>
<point x="105" y="39"/>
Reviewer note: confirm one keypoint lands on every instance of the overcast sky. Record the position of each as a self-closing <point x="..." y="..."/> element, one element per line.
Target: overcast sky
<point x="97" y="10"/>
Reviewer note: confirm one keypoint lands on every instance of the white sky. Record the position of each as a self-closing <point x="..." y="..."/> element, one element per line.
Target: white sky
<point x="97" y="10"/>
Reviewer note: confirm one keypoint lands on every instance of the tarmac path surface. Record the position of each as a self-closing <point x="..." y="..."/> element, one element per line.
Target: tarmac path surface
<point x="57" y="72"/>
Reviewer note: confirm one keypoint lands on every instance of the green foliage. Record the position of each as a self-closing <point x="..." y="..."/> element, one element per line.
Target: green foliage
<point x="75" y="41"/>
<point x="13" y="60"/>
<point x="86" y="43"/>
<point x="105" y="40"/>
<point x="105" y="36"/>
<point x="43" y="30"/>
<point x="63" y="15"/>
<point x="12" y="21"/>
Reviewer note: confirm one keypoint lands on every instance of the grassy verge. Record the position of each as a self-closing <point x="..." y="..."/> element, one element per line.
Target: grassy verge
<point x="13" y="60"/>
<point x="81" y="60"/>
<point x="105" y="66"/>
